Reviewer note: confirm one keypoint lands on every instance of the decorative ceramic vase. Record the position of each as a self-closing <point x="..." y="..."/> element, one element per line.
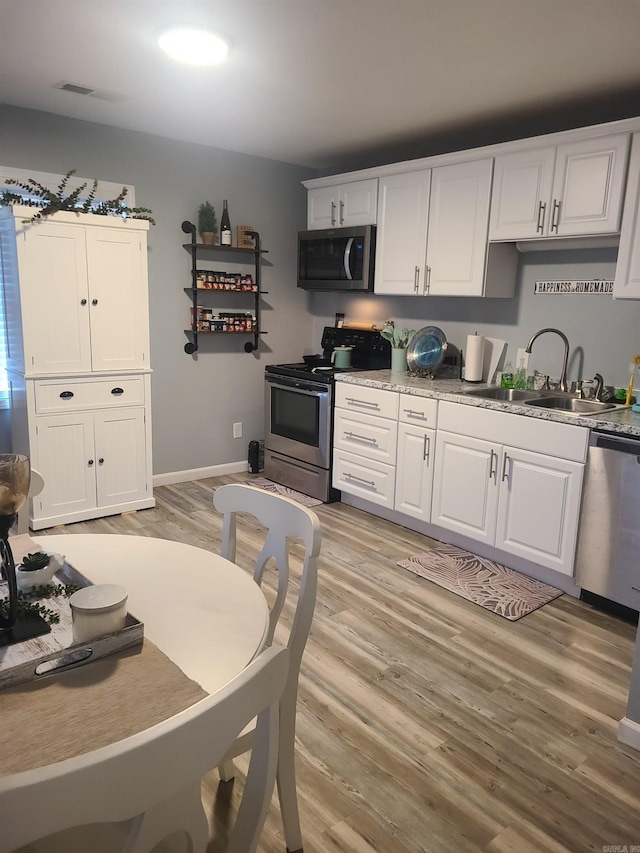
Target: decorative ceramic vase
<point x="398" y="360"/>
<point x="38" y="577"/>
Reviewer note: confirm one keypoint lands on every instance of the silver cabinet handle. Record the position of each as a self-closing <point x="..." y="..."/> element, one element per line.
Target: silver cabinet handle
<point x="505" y="461"/>
<point x="427" y="279"/>
<point x="416" y="277"/>
<point x="636" y="588"/>
<point x="492" y="471"/>
<point x="333" y="213"/>
<point x="341" y="212"/>
<point x="427" y="448"/>
<point x="555" y="215"/>
<point x="414" y="413"/>
<point x="542" y="207"/>
<point x="354" y="402"/>
<point x="360" y="480"/>
<point x="356" y="437"/>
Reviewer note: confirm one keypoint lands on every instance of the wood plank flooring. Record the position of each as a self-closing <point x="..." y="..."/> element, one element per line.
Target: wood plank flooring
<point x="426" y="723"/>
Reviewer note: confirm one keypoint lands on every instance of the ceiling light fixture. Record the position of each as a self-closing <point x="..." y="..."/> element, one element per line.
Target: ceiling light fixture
<point x="194" y="46"/>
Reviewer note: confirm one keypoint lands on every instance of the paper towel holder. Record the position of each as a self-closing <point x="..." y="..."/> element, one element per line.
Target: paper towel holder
<point x="479" y="359"/>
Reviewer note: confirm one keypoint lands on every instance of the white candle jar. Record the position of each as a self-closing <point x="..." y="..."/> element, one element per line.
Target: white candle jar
<point x="97" y="611"/>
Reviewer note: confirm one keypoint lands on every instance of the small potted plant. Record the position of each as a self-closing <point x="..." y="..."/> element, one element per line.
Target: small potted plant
<point x="38" y="568"/>
<point x="207" y="223"/>
<point x="399" y="340"/>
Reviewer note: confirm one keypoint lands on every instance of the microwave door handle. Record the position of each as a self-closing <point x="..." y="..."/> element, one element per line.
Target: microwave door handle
<point x="347" y="257"/>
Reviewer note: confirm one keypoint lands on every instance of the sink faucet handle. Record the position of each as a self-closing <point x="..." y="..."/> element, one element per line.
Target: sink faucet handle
<point x="599" y="386"/>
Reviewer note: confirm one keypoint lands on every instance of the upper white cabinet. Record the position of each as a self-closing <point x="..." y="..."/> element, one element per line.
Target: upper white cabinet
<point x="568" y="190"/>
<point x="78" y="302"/>
<point x="627" y="280"/>
<point x="343" y="205"/>
<point x="401" y="246"/>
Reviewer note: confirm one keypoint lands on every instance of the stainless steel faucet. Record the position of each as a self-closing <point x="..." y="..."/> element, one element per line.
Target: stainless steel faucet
<point x="563" y="375"/>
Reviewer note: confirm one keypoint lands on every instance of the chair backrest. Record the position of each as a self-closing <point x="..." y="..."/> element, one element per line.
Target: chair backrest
<point x="283" y="519"/>
<point x="144" y="776"/>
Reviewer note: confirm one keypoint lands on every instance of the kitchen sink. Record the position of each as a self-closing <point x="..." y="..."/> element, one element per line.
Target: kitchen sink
<point x="505" y="394"/>
<point x="572" y="405"/>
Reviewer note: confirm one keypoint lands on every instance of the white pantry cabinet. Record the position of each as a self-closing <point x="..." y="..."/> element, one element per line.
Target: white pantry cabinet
<point x="516" y="486"/>
<point x="76" y="303"/>
<point x="627" y="280"/>
<point x="572" y="189"/>
<point x="343" y="205"/>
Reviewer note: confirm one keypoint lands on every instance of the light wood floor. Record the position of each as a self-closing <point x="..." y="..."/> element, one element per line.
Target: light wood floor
<point x="426" y="723"/>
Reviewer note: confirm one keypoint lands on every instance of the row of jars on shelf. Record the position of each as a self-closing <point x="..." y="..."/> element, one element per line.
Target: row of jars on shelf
<point x="224" y="281"/>
<point x="205" y="320"/>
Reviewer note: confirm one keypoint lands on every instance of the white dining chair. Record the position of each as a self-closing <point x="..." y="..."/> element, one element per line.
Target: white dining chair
<point x="152" y="780"/>
<point x="283" y="519"/>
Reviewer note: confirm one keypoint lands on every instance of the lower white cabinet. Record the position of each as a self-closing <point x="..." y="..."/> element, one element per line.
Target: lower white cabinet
<point x="414" y="470"/>
<point x="512" y="498"/>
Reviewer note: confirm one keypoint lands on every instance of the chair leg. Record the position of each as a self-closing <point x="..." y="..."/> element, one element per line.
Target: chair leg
<point x="226" y="771"/>
<point x="286" y="777"/>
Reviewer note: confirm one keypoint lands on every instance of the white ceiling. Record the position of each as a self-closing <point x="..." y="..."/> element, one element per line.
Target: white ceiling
<point x="315" y="82"/>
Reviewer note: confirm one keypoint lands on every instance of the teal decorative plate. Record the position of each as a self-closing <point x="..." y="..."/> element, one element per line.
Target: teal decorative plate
<point x="426" y="351"/>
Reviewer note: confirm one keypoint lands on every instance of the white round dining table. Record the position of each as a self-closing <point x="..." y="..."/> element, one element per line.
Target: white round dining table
<point x="205" y="613"/>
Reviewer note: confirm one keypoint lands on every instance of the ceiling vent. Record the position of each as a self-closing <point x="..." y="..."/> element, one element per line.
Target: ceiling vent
<point x="73" y="87"/>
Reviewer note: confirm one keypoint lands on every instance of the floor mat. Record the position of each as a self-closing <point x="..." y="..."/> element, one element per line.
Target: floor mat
<point x="276" y="488"/>
<point x="492" y="586"/>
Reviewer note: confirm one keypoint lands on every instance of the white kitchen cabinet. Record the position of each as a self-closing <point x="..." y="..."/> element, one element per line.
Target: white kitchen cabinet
<point x="90" y="461"/>
<point x="414" y="470"/>
<point x="343" y="205"/>
<point x="524" y="500"/>
<point x="627" y="280"/>
<point x="82" y="297"/>
<point x="458" y="224"/>
<point x="76" y="304"/>
<point x="401" y="242"/>
<point x="572" y="189"/>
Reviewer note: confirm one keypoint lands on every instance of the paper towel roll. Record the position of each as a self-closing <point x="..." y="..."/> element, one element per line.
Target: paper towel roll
<point x="474" y="358"/>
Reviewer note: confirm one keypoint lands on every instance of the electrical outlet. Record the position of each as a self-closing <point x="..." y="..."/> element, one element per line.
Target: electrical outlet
<point x="237" y="430"/>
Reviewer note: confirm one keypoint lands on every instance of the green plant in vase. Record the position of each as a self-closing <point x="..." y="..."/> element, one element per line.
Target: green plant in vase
<point x="33" y="562"/>
<point x="207" y="223"/>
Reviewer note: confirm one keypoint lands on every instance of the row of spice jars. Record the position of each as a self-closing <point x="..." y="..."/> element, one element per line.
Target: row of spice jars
<point x="224" y="281"/>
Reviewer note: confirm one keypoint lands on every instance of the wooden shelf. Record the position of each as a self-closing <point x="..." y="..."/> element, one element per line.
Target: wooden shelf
<point x="234" y="249"/>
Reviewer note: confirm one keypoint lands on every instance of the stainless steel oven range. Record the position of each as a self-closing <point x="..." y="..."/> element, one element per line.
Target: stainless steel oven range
<point x="299" y="411"/>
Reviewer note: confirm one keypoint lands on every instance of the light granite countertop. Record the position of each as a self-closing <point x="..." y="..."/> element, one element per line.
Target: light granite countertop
<point x="623" y="421"/>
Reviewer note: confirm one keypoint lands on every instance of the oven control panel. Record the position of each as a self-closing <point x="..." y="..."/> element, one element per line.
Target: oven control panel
<point x="370" y="350"/>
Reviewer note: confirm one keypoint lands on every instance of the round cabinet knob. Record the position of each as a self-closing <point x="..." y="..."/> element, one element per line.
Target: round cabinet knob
<point x="94" y="301"/>
<point x="101" y="461"/>
<point x="83" y="302"/>
<point x="90" y="463"/>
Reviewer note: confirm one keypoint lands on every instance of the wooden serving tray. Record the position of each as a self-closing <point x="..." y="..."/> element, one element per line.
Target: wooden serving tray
<point x="55" y="652"/>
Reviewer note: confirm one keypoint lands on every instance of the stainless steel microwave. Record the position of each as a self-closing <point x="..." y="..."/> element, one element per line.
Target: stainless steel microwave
<point x="337" y="258"/>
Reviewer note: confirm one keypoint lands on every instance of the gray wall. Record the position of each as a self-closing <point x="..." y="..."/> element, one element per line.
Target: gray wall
<point x="195" y="400"/>
<point x="603" y="333"/>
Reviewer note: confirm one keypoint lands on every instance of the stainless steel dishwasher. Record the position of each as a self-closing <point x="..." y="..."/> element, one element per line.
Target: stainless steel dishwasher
<point x="608" y="553"/>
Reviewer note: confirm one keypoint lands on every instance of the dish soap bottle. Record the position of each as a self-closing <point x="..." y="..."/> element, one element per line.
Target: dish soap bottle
<point x="506" y="380"/>
<point x="225" y="226"/>
<point x="520" y="380"/>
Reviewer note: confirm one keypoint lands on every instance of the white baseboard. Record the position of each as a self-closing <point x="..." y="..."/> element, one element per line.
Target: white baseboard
<point x="629" y="732"/>
<point x="199" y="473"/>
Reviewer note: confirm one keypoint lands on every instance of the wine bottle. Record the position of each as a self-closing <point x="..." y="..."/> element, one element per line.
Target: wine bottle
<point x="225" y="226"/>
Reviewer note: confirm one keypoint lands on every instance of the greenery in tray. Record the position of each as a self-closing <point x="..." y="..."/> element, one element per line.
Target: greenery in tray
<point x="54" y="202"/>
<point x="29" y="602"/>
<point x="33" y="562"/>
<point x="207" y="219"/>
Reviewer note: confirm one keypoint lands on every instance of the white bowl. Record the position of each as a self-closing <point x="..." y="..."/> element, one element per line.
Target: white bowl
<point x="27" y="580"/>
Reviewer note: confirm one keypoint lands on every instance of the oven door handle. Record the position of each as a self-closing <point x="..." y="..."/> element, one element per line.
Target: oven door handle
<point x="347" y="258"/>
<point x="299" y="387"/>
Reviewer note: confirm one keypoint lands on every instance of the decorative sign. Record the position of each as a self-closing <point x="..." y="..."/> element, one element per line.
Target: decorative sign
<point x="572" y="288"/>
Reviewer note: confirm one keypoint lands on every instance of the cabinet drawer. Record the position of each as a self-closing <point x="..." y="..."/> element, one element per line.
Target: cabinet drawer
<point x="367" y="435"/>
<point x="366" y="478"/>
<point x="363" y="398"/>
<point x="71" y="395"/>
<point x="418" y="410"/>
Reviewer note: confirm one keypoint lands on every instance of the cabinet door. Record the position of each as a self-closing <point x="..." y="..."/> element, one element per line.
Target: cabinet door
<point x="403" y="212"/>
<point x="117" y="268"/>
<point x="588" y="186"/>
<point x="521" y="194"/>
<point x="120" y="456"/>
<point x="65" y="457"/>
<point x="538" y="508"/>
<point x="358" y="203"/>
<point x="54" y="298"/>
<point x="627" y="281"/>
<point x="465" y="492"/>
<point x="458" y="224"/>
<point x="414" y="470"/>
<point x="322" y="208"/>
